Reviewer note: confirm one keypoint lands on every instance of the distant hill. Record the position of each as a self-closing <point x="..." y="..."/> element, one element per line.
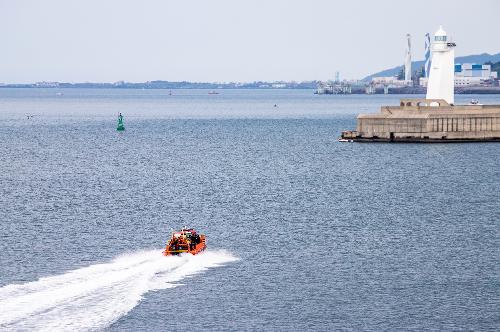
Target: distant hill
<point x="496" y="67"/>
<point x="479" y="58"/>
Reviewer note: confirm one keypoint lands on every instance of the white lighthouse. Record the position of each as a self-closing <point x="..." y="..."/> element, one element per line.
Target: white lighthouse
<point x="442" y="73"/>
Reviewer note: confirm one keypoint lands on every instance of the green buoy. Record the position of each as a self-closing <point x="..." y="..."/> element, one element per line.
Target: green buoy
<point x="120" y="127"/>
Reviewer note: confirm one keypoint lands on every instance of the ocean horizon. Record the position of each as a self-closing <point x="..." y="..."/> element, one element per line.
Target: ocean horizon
<point x="303" y="232"/>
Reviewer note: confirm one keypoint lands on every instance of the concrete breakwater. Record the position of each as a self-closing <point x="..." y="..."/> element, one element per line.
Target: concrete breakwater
<point x="428" y="120"/>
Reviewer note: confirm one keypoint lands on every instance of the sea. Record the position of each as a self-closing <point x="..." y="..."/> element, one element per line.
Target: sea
<point x="304" y="233"/>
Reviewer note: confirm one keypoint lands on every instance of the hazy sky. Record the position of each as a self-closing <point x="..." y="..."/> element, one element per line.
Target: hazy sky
<point x="228" y="40"/>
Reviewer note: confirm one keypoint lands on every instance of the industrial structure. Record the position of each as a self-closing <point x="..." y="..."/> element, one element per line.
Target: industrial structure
<point x="466" y="77"/>
<point x="408" y="59"/>
<point x="427" y="55"/>
<point x="334" y="88"/>
<point x="435" y="118"/>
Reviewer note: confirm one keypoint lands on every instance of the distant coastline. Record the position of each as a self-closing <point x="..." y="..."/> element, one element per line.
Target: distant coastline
<point x="169" y="85"/>
<point x="166" y="85"/>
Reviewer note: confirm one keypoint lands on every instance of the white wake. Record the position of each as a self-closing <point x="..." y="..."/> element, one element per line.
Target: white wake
<point x="93" y="297"/>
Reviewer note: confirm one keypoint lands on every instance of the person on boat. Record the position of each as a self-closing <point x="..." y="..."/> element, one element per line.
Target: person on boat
<point x="173" y="243"/>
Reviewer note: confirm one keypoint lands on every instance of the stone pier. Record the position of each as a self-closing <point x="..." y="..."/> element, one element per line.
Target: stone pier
<point x="428" y="120"/>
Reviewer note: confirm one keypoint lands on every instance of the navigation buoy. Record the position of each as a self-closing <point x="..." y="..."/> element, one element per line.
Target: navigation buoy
<point x="120" y="127"/>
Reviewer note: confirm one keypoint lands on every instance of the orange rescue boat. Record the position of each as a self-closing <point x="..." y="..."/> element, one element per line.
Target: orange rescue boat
<point x="185" y="240"/>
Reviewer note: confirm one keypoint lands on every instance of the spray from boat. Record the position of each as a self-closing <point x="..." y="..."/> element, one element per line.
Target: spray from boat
<point x="93" y="297"/>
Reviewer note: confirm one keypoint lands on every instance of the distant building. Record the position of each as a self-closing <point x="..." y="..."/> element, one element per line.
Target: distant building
<point x="334" y="88"/>
<point x="337" y="76"/>
<point x="390" y="81"/>
<point x="470" y="74"/>
<point x="46" y="84"/>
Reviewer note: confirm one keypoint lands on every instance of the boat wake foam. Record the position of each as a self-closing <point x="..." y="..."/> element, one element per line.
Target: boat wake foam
<point x="93" y="297"/>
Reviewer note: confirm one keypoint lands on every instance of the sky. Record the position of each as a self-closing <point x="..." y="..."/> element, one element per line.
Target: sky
<point x="228" y="40"/>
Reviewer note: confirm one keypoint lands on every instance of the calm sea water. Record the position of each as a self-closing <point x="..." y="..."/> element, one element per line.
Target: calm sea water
<point x="304" y="233"/>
